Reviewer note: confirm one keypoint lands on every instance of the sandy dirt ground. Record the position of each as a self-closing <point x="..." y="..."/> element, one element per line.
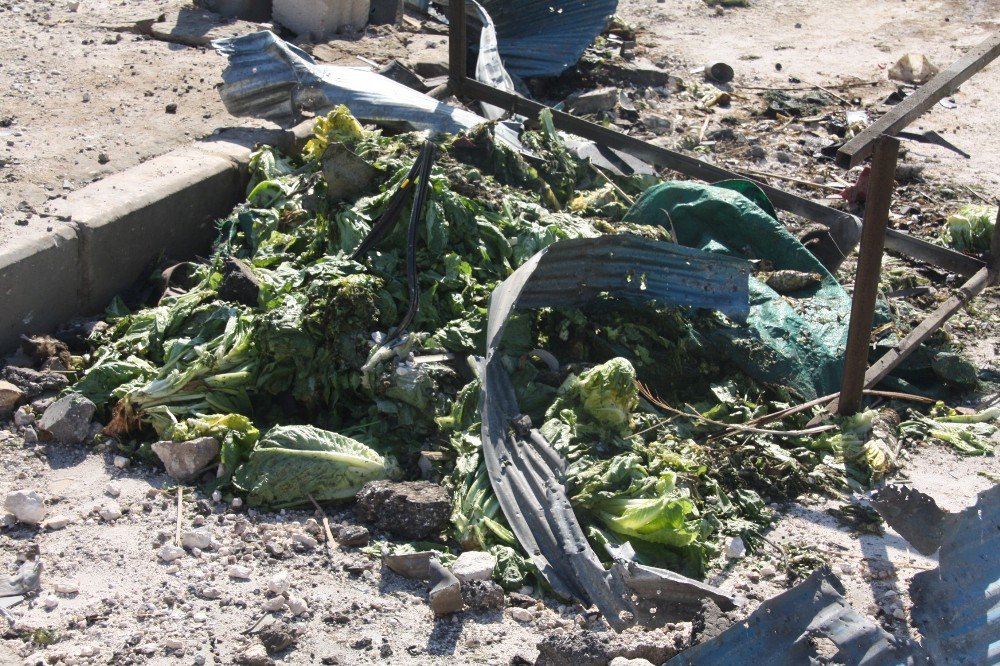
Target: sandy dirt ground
<point x="80" y="99"/>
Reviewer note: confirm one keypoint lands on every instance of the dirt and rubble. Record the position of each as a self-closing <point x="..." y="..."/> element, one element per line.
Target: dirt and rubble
<point x="249" y="587"/>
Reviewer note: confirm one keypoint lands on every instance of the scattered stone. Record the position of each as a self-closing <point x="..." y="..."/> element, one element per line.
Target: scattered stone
<point x="353" y="536"/>
<point x="362" y="643"/>
<point x="185" y="460"/>
<point x="736" y="549"/>
<point x="768" y="571"/>
<point x="446" y="591"/>
<point x="170" y="553"/>
<point x="474" y="565"/>
<point x="197" y="538"/>
<point x="238" y="572"/>
<point x="68" y="418"/>
<point x="521" y="614"/>
<point x="216" y="496"/>
<point x="10" y="396"/>
<point x="121" y="462"/>
<point x="593" y="101"/>
<point x="113" y="489"/>
<point x="171" y="108"/>
<point x="236" y="503"/>
<point x="756" y="152"/>
<point x="898" y="613"/>
<point x="279" y="583"/>
<point x="656" y="123"/>
<point x="29" y="436"/>
<point x="173" y="644"/>
<point x="23" y="417"/>
<point x="410" y="565"/>
<point x="110" y="512"/>
<point x="277" y="636"/>
<point x="482" y="595"/>
<point x="408" y="509"/>
<point x="622" y="661"/>
<point x="307" y="542"/>
<point x="66" y="587"/>
<point x="211" y="592"/>
<point x="275" y="604"/>
<point x="56" y="522"/>
<point x="913" y="68"/>
<point x="784" y="157"/>
<point x="26" y="505"/>
<point x="297" y="606"/>
<point x="255" y="655"/>
<point x="50" y="601"/>
<point x="103" y="158"/>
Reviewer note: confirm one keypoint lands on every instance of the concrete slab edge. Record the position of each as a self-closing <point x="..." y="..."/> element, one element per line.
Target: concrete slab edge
<point x="113" y="230"/>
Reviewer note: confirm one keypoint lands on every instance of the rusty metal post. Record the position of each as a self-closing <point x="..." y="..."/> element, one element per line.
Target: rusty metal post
<point x="883" y="174"/>
<point x="994" y="260"/>
<point x="458" y="47"/>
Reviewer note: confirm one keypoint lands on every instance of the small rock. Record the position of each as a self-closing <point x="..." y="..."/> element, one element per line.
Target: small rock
<point x="211" y="592"/>
<point x="304" y="540"/>
<point x="236" y="503"/>
<point x="171" y="108"/>
<point x="297" y="606"/>
<point x="26" y="505"/>
<point x="278" y="583"/>
<point x="10" y="395"/>
<point x="446" y="590"/>
<point x="275" y="604"/>
<point x="197" y="538"/>
<point x="173" y="644"/>
<point x="757" y="152"/>
<point x="66" y="587"/>
<point x="410" y="565"/>
<point x="593" y="101"/>
<point x="784" y="157"/>
<point x="56" y="522"/>
<point x="474" y="565"/>
<point x="239" y="572"/>
<point x="68" y="418"/>
<point x="521" y="615"/>
<point x="277" y="636"/>
<point x="899" y="613"/>
<point x="622" y="661"/>
<point x="409" y="509"/>
<point x="216" y="496"/>
<point x="768" y="571"/>
<point x="50" y="601"/>
<point x="110" y="512"/>
<point x="185" y="460"/>
<point x="736" y="549"/>
<point x="353" y="536"/>
<point x="113" y="489"/>
<point x="656" y="123"/>
<point x="103" y="158"/>
<point x="23" y="417"/>
<point x="482" y="595"/>
<point x="255" y="655"/>
<point x="29" y="436"/>
<point x="121" y="462"/>
<point x="170" y="553"/>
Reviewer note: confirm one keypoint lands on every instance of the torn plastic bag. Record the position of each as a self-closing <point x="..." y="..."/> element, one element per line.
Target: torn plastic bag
<point x="796" y="340"/>
<point x="269" y="78"/>
<point x="782" y="629"/>
<point x="526" y="473"/>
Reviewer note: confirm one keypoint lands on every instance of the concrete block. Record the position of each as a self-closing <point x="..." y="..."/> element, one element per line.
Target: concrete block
<point x="386" y="12"/>
<point x="40" y="279"/>
<point x="320" y="19"/>
<point x="248" y="10"/>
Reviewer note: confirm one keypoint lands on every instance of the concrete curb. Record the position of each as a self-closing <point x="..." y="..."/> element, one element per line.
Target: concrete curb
<point x="118" y="227"/>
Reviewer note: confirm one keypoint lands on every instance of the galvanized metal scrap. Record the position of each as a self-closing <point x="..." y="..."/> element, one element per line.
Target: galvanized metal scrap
<point x="525" y="471"/>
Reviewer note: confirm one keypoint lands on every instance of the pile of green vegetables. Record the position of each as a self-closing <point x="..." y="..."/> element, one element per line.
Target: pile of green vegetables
<point x="309" y="404"/>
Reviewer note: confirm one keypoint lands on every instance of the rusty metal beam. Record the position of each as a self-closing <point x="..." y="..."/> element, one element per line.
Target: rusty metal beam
<point x="458" y="46"/>
<point x="945" y="83"/>
<point x="859" y="333"/>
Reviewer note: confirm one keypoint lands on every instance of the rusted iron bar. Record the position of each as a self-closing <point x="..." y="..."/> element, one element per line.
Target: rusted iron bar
<point x="945" y="83"/>
<point x="458" y="46"/>
<point x="929" y="253"/>
<point x="994" y="263"/>
<point x="883" y="178"/>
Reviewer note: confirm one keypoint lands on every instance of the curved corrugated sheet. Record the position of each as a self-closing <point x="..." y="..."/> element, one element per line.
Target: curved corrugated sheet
<point x="547" y="38"/>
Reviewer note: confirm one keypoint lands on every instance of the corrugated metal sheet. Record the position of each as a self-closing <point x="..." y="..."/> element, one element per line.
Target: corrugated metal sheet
<point x="956" y="607"/>
<point x="780" y="632"/>
<point x="525" y="471"/>
<point x="546" y="38"/>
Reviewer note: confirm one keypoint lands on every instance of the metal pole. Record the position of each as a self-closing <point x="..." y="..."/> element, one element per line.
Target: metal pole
<point x="458" y="47"/>
<point x="994" y="261"/>
<point x="883" y="174"/>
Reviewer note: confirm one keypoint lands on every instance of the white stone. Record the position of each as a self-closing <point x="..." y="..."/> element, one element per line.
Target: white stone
<point x="113" y="489"/>
<point x="279" y="583"/>
<point x="23" y="416"/>
<point x="297" y="605"/>
<point x="239" y="572"/>
<point x="768" y="571"/>
<point x="110" y="512"/>
<point x="521" y="614"/>
<point x="474" y="565"/>
<point x="216" y="496"/>
<point x="170" y="553"/>
<point x="321" y="18"/>
<point x="199" y="538"/>
<point x="236" y="503"/>
<point x="211" y="592"/>
<point x="121" y="462"/>
<point x="50" y="601"/>
<point x="184" y="461"/>
<point x="622" y="661"/>
<point x="736" y="549"/>
<point x="87" y="651"/>
<point x="305" y="540"/>
<point x="26" y="505"/>
<point x="898" y="613"/>
<point x="173" y="643"/>
<point x="66" y="587"/>
<point x="56" y="522"/>
<point x="255" y="654"/>
<point x="274" y="604"/>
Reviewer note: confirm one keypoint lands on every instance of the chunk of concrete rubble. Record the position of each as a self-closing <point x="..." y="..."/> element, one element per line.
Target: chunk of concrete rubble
<point x="239" y="572"/>
<point x="66" y="587"/>
<point x="24" y="417"/>
<point x="185" y="460"/>
<point x="353" y="535"/>
<point x="474" y="565"/>
<point x="199" y="538"/>
<point x="410" y="565"/>
<point x="277" y="636"/>
<point x="446" y="590"/>
<point x="56" y="522"/>
<point x="320" y="19"/>
<point x="297" y="606"/>
<point x="170" y="553"/>
<point x="593" y="101"/>
<point x="68" y="419"/>
<point x="10" y="396"/>
<point x="598" y="648"/>
<point x="278" y="583"/>
<point x="255" y="655"/>
<point x="275" y="604"/>
<point x="110" y="512"/>
<point x="32" y="382"/>
<point x="736" y="549"/>
<point x="482" y="595"/>
<point x="27" y="506"/>
<point x="408" y="509"/>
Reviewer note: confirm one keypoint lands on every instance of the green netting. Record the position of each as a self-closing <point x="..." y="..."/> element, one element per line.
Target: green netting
<point x="797" y="339"/>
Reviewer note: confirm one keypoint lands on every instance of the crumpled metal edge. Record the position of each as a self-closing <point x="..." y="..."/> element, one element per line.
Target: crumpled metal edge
<point x="780" y="631"/>
<point x="956" y="607"/>
<point x="525" y="471"/>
